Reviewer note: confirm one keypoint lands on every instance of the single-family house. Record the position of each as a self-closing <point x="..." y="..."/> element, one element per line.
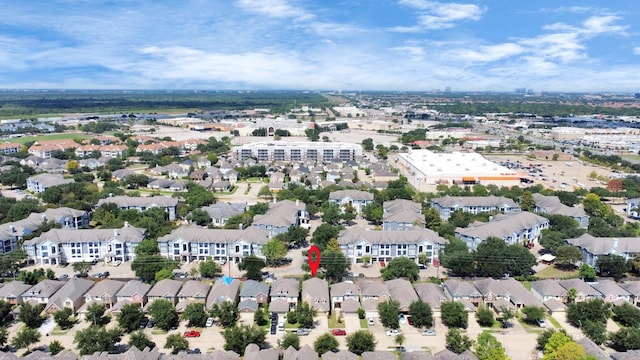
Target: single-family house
<point x="104" y="292"/>
<point x="70" y="295"/>
<point x="549" y="289"/>
<point x="611" y="291"/>
<point x="284" y="295"/>
<point x="135" y="292"/>
<point x="315" y="292"/>
<point x="403" y="292"/>
<point x="43" y="291"/>
<point x="12" y="292"/>
<point x="584" y="292"/>
<point x="166" y="289"/>
<point x="224" y="289"/>
<point x="431" y="294"/>
<point x="463" y="291"/>
<point x="372" y="293"/>
<point x="633" y="287"/>
<point x="252" y="294"/>
<point x="345" y="297"/>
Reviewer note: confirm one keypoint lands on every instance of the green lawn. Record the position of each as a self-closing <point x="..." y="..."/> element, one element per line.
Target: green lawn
<point x="26" y="139"/>
<point x="551" y="272"/>
<point x="363" y="324"/>
<point x="334" y="323"/>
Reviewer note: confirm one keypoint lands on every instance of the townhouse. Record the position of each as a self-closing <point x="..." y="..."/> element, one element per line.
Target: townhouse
<point x="281" y="216"/>
<point x="402" y="214"/>
<point x="59" y="246"/>
<point x="157" y="148"/>
<point x="611" y="291"/>
<point x="70" y="295"/>
<point x="123" y="202"/>
<point x="583" y="291"/>
<point x="383" y="246"/>
<point x="356" y="199"/>
<point x="552" y="205"/>
<point x="41" y="182"/>
<point x="592" y="247"/>
<point x="199" y="243"/>
<point x="473" y="204"/>
<point x="515" y="228"/>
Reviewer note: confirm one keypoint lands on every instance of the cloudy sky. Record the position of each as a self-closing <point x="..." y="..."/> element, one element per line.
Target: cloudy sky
<point x="500" y="45"/>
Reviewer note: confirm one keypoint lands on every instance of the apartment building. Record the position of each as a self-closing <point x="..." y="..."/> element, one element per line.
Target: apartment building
<point x="298" y="151"/>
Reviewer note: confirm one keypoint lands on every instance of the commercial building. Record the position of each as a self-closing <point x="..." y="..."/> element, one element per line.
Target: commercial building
<point x="424" y="167"/>
<point x="298" y="151"/>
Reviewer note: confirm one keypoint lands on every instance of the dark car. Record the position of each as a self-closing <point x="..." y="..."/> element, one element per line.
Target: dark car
<point x="274" y="317"/>
<point x="105" y="274"/>
<point x="150" y="324"/>
<point x="274" y="328"/>
<point x="144" y="322"/>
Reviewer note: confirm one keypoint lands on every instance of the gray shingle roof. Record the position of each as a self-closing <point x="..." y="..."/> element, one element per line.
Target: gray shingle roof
<point x="548" y="287"/>
<point x="317" y="290"/>
<point x="503" y="225"/>
<point x="252" y="288"/>
<point x="223" y="291"/>
<point x="415" y="236"/>
<point x="552" y="205"/>
<point x="107" y="286"/>
<point x="197" y="234"/>
<point x="282" y="213"/>
<point x="13" y="289"/>
<point x="402" y="291"/>
<point x="607" y="245"/>
<point x="66" y="235"/>
<point x="133" y="287"/>
<point x="463" y="201"/>
<point x="140" y="201"/>
<point x="165" y="288"/>
<point x="73" y="289"/>
<point x="353" y="194"/>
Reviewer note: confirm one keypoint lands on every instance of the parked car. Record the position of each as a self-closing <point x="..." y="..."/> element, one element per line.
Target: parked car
<point x="402" y="319"/>
<point x="192" y="333"/>
<point x="144" y="322"/>
<point x="105" y="274"/>
<point x="63" y="277"/>
<point x="209" y="322"/>
<point x="409" y="320"/>
<point x="274" y="328"/>
<point x="151" y="324"/>
<point x="370" y="321"/>
<point x="302" y="332"/>
<point x="339" y="332"/>
<point x="117" y="263"/>
<point x="393" y="332"/>
<point x="428" y="332"/>
<point x="542" y="323"/>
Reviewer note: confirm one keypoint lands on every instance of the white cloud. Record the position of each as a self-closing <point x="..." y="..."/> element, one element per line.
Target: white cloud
<point x="602" y="24"/>
<point x="274" y="8"/>
<point x="488" y="53"/>
<point x="636" y="50"/>
<point x="435" y="15"/>
<point x="411" y="50"/>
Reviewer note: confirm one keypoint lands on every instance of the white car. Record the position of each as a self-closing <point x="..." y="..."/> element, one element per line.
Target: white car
<point x="209" y="322"/>
<point x="117" y="263"/>
<point x="370" y="321"/>
<point x="542" y="324"/>
<point x="393" y="332"/>
<point x="428" y="332"/>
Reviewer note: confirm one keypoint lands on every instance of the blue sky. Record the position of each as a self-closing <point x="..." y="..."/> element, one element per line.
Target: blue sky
<point x="498" y="45"/>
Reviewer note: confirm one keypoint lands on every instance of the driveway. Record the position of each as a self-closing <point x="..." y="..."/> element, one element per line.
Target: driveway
<point x="561" y="317"/>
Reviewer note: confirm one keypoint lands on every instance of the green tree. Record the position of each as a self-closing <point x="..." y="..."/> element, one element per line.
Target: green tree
<point x="305" y="314"/>
<point x="96" y="314"/>
<point x="176" y="343"/>
<point x="163" y="274"/>
<point x="331" y="213"/>
<point x="489" y="348"/>
<point x="200" y="217"/>
<point x="325" y="343"/>
<point x="373" y="212"/>
<point x="209" y="269"/>
<point x="252" y="265"/>
<point x="555" y="342"/>
<point x="569" y="351"/>
<point x="334" y="263"/>
<point x="25" y="338"/>
<point x="163" y="313"/>
<point x="361" y="341"/>
<point x="130" y="317"/>
<point x="146" y="266"/>
<point x="324" y="233"/>
<point x="258" y="317"/>
<point x="63" y="318"/>
<point x="612" y="265"/>
<point x="627" y="338"/>
<point x="195" y="314"/>
<point x="55" y="347"/>
<point x="485" y="316"/>
<point x="567" y="256"/>
<point x="297" y="235"/>
<point x="421" y="314"/>
<point x="96" y="339"/>
<point x="238" y="337"/>
<point x="587" y="273"/>
<point x="6" y="315"/>
<point x="140" y="340"/>
<point x="457" y="342"/>
<point x="527" y="203"/>
<point x="596" y="310"/>
<point x="274" y="250"/>
<point x="30" y="315"/>
<point x="82" y="267"/>
<point x="226" y="313"/>
<point x="389" y="312"/>
<point x="432" y="218"/>
<point x="506" y="314"/>
<point x="532" y="314"/>
<point x="401" y="267"/>
<point x="453" y="314"/>
<point x="265" y="192"/>
<point x="4" y="336"/>
<point x="627" y="315"/>
<point x="290" y="339"/>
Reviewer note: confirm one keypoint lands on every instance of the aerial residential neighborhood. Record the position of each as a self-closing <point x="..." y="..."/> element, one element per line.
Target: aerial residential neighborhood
<point x="195" y="242"/>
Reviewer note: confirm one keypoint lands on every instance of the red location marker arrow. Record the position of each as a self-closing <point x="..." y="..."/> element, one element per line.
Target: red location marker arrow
<point x="314" y="259"/>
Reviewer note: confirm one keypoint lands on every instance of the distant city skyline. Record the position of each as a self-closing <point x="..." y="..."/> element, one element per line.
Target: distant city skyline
<point x="412" y="45"/>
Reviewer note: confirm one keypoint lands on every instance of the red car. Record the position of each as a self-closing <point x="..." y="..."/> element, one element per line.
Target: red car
<point x="192" y="333"/>
<point x="339" y="332"/>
